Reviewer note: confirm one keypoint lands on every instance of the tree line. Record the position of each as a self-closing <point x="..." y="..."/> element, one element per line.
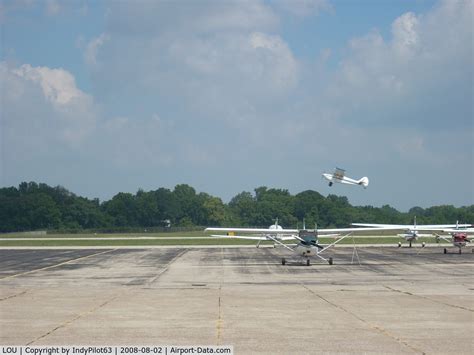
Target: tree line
<point x="34" y="206"/>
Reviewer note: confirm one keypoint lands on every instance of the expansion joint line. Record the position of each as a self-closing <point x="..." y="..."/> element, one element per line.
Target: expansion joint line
<point x="156" y="277"/>
<point x="219" y="318"/>
<point x="13" y="296"/>
<point x="56" y="265"/>
<point x="427" y="298"/>
<point x="371" y="326"/>
<point x="65" y="324"/>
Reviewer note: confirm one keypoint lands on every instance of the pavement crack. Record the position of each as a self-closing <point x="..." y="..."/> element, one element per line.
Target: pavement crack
<point x="427" y="298"/>
<point x="13" y="296"/>
<point x="379" y="329"/>
<point x="68" y="322"/>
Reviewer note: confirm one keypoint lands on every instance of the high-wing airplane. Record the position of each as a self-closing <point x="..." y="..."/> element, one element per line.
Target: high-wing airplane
<point x="339" y="176"/>
<point x="307" y="240"/>
<point x="459" y="237"/>
<point x="412" y="232"/>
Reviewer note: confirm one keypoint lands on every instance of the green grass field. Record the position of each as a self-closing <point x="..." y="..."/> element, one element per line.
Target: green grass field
<point x="196" y="234"/>
<point x="192" y="238"/>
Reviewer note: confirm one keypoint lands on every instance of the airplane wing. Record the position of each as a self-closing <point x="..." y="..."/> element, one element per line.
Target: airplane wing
<point x="293" y="232"/>
<point x="465" y="230"/>
<point x="253" y="230"/>
<point x="252" y="237"/>
<point x="323" y="232"/>
<point x="339" y="173"/>
<point x="426" y="227"/>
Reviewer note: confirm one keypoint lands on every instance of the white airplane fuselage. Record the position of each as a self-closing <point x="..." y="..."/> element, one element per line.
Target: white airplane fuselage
<point x="306" y="250"/>
<point x="410" y="237"/>
<point x="345" y="180"/>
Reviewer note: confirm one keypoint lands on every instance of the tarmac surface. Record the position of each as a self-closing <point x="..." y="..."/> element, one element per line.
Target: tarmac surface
<point x="407" y="300"/>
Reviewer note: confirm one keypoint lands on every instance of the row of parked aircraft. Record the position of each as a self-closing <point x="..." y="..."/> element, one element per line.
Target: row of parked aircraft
<point x="307" y="240"/>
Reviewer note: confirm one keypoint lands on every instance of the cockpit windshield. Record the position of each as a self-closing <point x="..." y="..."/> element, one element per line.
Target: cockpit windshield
<point x="308" y="236"/>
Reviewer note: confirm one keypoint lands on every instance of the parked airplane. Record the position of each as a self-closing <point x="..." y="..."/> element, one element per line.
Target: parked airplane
<point x="412" y="232"/>
<point x="339" y="176"/>
<point x="459" y="237"/>
<point x="307" y="239"/>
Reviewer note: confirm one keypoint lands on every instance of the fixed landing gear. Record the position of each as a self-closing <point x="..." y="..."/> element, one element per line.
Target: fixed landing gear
<point x="410" y="245"/>
<point x="308" y="263"/>
<point x="283" y="261"/>
<point x="330" y="261"/>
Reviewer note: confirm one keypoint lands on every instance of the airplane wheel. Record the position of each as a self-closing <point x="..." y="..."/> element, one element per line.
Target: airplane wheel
<point x="410" y="244"/>
<point x="283" y="261"/>
<point x="460" y="251"/>
<point x="445" y="250"/>
<point x="423" y="244"/>
<point x="307" y="262"/>
<point x="399" y="244"/>
<point x="330" y="261"/>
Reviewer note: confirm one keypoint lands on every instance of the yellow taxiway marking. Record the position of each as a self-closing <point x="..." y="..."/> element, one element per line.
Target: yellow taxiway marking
<point x="56" y="265"/>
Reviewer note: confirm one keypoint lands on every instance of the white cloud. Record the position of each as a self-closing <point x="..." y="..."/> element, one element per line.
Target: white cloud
<point x="409" y="79"/>
<point x="90" y="53"/>
<point x="58" y="85"/>
<point x="48" y="101"/>
<point x="405" y="33"/>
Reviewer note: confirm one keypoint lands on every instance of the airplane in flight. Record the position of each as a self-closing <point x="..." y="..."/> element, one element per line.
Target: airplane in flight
<point x="412" y="232"/>
<point x="339" y="177"/>
<point x="307" y="240"/>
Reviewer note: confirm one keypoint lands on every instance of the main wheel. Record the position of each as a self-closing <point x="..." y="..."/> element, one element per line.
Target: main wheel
<point x="460" y="251"/>
<point x="308" y="262"/>
<point x="423" y="244"/>
<point x="399" y="244"/>
<point x="410" y="244"/>
<point x="330" y="261"/>
<point x="283" y="261"/>
<point x="445" y="250"/>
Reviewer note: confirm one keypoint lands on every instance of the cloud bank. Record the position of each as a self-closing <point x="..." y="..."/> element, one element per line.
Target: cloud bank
<point x="211" y="94"/>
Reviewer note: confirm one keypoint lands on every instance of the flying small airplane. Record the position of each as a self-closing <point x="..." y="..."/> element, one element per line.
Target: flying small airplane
<point x="307" y="240"/>
<point x="339" y="176"/>
<point x="459" y="237"/>
<point x="412" y="232"/>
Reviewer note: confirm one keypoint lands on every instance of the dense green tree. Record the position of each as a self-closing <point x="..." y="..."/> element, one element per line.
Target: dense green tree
<point x="34" y="206"/>
<point x="123" y="209"/>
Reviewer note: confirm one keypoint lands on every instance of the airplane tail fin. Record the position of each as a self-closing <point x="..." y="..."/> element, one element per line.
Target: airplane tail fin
<point x="364" y="181"/>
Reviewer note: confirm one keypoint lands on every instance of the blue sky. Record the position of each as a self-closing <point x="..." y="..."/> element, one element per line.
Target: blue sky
<point x="110" y="96"/>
